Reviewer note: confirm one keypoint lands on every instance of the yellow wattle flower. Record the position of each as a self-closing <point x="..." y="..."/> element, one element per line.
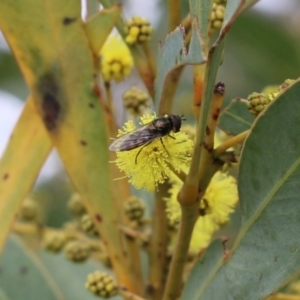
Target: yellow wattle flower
<point x="150" y="165"/>
<point x="116" y="62"/>
<point x="216" y="206"/>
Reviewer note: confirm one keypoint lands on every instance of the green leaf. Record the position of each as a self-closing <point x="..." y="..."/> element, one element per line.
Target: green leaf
<point x="3" y="296"/>
<point x="233" y="9"/>
<point x="202" y="270"/>
<point x="23" y="276"/>
<point x="174" y="54"/>
<point x="100" y="25"/>
<point x="43" y="275"/>
<point x="265" y="254"/>
<point x="70" y="277"/>
<point x="236" y="118"/>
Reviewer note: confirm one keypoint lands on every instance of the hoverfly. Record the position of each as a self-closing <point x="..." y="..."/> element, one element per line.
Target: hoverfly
<point x="146" y="134"/>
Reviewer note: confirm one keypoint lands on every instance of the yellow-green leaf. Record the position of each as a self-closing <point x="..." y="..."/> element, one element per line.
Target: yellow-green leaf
<point x="24" y="156"/>
<point x="58" y="65"/>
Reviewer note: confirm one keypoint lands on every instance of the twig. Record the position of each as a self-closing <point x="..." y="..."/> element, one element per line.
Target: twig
<point x="189" y="216"/>
<point x="158" y="246"/>
<point x="230" y="143"/>
<point x="174" y="14"/>
<point x="128" y="295"/>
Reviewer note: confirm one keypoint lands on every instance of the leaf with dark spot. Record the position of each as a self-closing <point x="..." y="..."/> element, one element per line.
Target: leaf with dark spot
<point x="68" y="21"/>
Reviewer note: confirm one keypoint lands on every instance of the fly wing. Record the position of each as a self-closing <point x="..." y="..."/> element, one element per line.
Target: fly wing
<point x="134" y="139"/>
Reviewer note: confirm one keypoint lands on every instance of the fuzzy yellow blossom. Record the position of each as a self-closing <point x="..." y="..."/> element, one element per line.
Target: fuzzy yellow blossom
<point x="157" y="155"/>
<point x="215" y="208"/>
<point x="116" y="61"/>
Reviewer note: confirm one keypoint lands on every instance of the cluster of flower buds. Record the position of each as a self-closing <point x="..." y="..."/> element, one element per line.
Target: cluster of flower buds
<point x="134" y="209"/>
<point x="75" y="205"/>
<point x="138" y="30"/>
<point x="88" y="226"/>
<point x="54" y="241"/>
<point x="258" y="101"/>
<point x="136" y="101"/>
<point x="77" y="251"/>
<point x="101" y="284"/>
<point x="217" y="16"/>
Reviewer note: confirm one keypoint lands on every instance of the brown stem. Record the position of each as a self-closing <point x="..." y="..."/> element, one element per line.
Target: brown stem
<point x="169" y="90"/>
<point x="213" y="115"/>
<point x="189" y="216"/>
<point x="150" y="58"/>
<point x="158" y="246"/>
<point x="128" y="295"/>
<point x="174" y="14"/>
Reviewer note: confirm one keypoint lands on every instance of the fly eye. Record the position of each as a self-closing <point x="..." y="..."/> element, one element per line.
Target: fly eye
<point x="176" y="120"/>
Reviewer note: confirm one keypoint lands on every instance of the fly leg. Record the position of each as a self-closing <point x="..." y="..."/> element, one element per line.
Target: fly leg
<point x="136" y="157"/>
<point x="162" y="142"/>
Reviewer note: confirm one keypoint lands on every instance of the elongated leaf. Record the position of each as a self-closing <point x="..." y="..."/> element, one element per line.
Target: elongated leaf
<point x="23" y="276"/>
<point x="42" y="275"/>
<point x="174" y="53"/>
<point x="3" y="296"/>
<point x="58" y="65"/>
<point x="96" y="32"/>
<point x="202" y="270"/>
<point x="24" y="156"/>
<point x="70" y="277"/>
<point x="265" y="254"/>
<point x="236" y="118"/>
<point x="233" y="9"/>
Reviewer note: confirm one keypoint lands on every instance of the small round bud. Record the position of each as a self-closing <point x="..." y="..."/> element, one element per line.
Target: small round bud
<point x="88" y="226"/>
<point x="286" y="84"/>
<point x="29" y="210"/>
<point x="134" y="209"/>
<point x="138" y="30"/>
<point x="257" y="102"/>
<point x="101" y="284"/>
<point x="54" y="240"/>
<point x="136" y="101"/>
<point x="76" y="251"/>
<point x="75" y="205"/>
<point x="217" y="17"/>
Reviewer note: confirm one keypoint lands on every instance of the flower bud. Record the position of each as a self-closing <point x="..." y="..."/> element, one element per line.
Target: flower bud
<point x="138" y="30"/>
<point x="76" y="251"/>
<point x="54" y="241"/>
<point x="136" y="101"/>
<point x="285" y="84"/>
<point x="88" y="226"/>
<point x="134" y="208"/>
<point x="101" y="284"/>
<point x="217" y="17"/>
<point x="75" y="205"/>
<point x="257" y="102"/>
<point x="29" y="210"/>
